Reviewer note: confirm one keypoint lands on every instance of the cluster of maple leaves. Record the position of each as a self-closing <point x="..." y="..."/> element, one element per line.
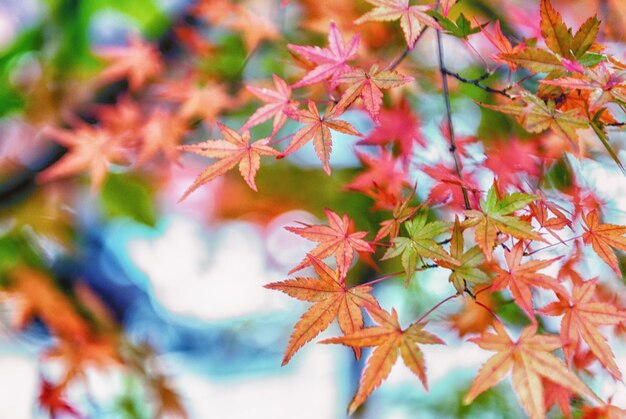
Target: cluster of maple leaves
<point x="570" y="91"/>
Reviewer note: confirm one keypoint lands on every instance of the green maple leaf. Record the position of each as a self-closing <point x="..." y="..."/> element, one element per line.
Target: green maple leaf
<point x="468" y="270"/>
<point x="496" y="217"/>
<point x="420" y="244"/>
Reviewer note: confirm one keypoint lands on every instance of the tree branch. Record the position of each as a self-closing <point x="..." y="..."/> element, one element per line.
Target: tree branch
<point x="446" y="94"/>
<point x="476" y="82"/>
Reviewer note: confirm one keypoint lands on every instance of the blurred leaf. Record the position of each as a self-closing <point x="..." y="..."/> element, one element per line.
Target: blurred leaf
<point x="128" y="196"/>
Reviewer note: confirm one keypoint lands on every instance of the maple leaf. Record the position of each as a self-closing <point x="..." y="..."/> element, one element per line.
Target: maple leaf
<point x="555" y="393"/>
<point x="161" y="134"/>
<point x="389" y="338"/>
<point x="412" y="18"/>
<point x="537" y="116"/>
<point x="495" y="216"/>
<point x="420" y="244"/>
<point x="401" y="213"/>
<point x="606" y="411"/>
<point x="317" y="128"/>
<point x="398" y="126"/>
<point x="540" y="209"/>
<point x="556" y="34"/>
<point x="332" y="300"/>
<point x="448" y="189"/>
<point x="332" y="61"/>
<point x="603" y="237"/>
<point x="121" y="119"/>
<point x="337" y="239"/>
<point x="367" y="85"/>
<point x="503" y="45"/>
<point x="530" y="359"/>
<point x="604" y="85"/>
<point x="139" y="62"/>
<point x="382" y="180"/>
<point x="507" y="160"/>
<point x="52" y="399"/>
<point x="581" y="316"/>
<point x="278" y="101"/>
<point x="197" y="100"/>
<point x="234" y="149"/>
<point x="89" y="148"/>
<point x="536" y="60"/>
<point x="254" y="25"/>
<point x="473" y="318"/>
<point x="520" y="277"/>
<point x="468" y="270"/>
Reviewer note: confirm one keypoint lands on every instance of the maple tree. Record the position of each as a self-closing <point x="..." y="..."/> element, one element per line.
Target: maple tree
<point x="498" y="202"/>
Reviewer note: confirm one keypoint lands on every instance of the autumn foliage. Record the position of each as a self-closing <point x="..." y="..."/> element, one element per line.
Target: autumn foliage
<point x="505" y="213"/>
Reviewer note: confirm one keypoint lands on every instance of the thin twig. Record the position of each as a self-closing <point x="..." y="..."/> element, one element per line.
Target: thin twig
<point x="436" y="306"/>
<point x="446" y="94"/>
<point x="395" y="63"/>
<point x="493" y="314"/>
<point x="382" y="278"/>
<point x="551" y="245"/>
<point x="476" y="82"/>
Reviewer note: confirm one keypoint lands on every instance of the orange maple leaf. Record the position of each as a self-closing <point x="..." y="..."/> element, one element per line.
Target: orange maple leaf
<point x="603" y="237"/>
<point x="581" y="316"/>
<point x="521" y="276"/>
<point x="337" y="238"/>
<point x="160" y="135"/>
<point x="530" y="359"/>
<point x="367" y="85"/>
<point x="205" y="100"/>
<point x="235" y="149"/>
<point x="139" y="62"/>
<point x="388" y="338"/>
<point x="412" y="18"/>
<point x="317" y="129"/>
<point x="332" y="300"/>
<point x="88" y="148"/>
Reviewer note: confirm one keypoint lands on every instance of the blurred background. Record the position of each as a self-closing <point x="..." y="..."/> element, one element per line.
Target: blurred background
<point x="119" y="302"/>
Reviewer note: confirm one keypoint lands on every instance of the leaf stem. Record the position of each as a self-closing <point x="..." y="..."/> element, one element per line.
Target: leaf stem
<point x="382" y="278"/>
<point x="436" y="306"/>
<point x="395" y="63"/>
<point x="551" y="245"/>
<point x="446" y="94"/>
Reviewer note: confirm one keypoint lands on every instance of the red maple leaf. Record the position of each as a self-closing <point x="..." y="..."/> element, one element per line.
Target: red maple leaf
<point x="398" y="126"/>
<point x="51" y="398"/>
<point x="277" y="102"/>
<point x="512" y="159"/>
<point x="448" y="190"/>
<point x="331" y="62"/>
<point x="503" y="45"/>
<point x="382" y="180"/>
<point x="337" y="238"/>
